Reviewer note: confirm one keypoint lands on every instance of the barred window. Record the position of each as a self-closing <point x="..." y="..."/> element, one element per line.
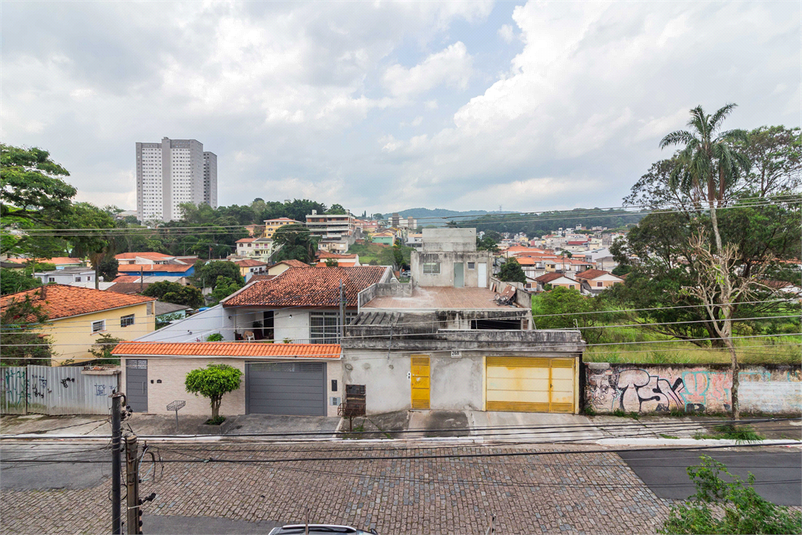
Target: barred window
<point x="324" y="327"/>
<point x="431" y="267"/>
<point x="125" y="321"/>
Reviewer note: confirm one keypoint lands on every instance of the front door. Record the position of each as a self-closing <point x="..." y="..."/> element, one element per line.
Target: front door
<point x="459" y="275"/>
<point x="420" y="381"/>
<point x="482" y="274"/>
<point x="136" y="384"/>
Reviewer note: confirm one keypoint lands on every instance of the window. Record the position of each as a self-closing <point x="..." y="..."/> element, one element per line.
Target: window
<point x="77" y="279"/>
<point x="599" y="284"/>
<point x="471" y="265"/>
<point x="98" y="326"/>
<point x="431" y="267"/>
<point x="51" y="279"/>
<point x="324" y="327"/>
<point x="125" y="321"/>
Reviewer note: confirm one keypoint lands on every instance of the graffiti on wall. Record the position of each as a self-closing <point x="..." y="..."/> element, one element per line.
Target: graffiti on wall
<point x="14" y="386"/>
<point x="658" y="390"/>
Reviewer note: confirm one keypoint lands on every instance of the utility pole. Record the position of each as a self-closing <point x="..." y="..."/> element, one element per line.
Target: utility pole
<point x="132" y="485"/>
<point x="116" y="436"/>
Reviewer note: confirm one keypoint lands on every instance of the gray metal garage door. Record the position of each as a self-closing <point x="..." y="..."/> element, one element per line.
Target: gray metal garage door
<point x="136" y="384"/>
<point x="297" y="388"/>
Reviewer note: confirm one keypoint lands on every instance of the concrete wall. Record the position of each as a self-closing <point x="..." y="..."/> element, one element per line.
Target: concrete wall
<point x="447" y="261"/>
<point x="663" y="388"/>
<point x="172" y="373"/>
<point x="461" y="240"/>
<point x="293" y="325"/>
<point x="194" y="328"/>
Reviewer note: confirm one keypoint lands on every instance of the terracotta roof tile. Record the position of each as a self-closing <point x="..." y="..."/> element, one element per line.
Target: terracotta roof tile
<point x="128" y="288"/>
<point x="319" y="287"/>
<point x="150" y="268"/>
<point x="58" y="260"/>
<point x="261" y="277"/>
<point x="228" y="349"/>
<point x="294" y="263"/>
<point x="61" y="301"/>
<point x="250" y="263"/>
<point x="548" y="277"/>
<point x="590" y="274"/>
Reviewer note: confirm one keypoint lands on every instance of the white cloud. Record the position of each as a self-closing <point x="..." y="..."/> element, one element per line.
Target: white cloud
<point x="451" y="66"/>
<point x="506" y="33"/>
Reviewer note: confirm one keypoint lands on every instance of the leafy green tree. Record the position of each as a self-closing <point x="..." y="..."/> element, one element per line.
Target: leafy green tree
<point x="225" y="286"/>
<point x="173" y="292"/>
<point x="21" y="341"/>
<point x="377" y="216"/>
<point x="108" y="268"/>
<point x="15" y="280"/>
<point x="775" y="153"/>
<point x="95" y="241"/>
<point x="207" y="275"/>
<point x="564" y="308"/>
<point x="719" y="506"/>
<point x="337" y="209"/>
<point x="296" y="242"/>
<point x="102" y="348"/>
<point x="487" y="243"/>
<point x="511" y="271"/>
<point x="213" y="382"/>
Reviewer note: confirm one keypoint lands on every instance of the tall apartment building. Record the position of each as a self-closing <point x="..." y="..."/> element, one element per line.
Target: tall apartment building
<point x="172" y="172"/>
<point x="335" y="232"/>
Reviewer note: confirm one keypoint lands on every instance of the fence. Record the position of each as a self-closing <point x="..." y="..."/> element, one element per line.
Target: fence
<point x="60" y="390"/>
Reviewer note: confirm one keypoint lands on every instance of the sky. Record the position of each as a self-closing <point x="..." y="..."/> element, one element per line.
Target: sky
<point x="382" y="106"/>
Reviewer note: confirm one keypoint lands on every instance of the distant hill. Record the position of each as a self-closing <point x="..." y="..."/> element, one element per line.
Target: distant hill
<point x="439" y="216"/>
<point x="545" y="222"/>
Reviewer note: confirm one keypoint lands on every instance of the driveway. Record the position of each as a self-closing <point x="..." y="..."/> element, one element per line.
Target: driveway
<point x="311" y="426"/>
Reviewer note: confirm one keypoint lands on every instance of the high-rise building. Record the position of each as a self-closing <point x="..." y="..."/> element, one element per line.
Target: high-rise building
<point x="172" y="172"/>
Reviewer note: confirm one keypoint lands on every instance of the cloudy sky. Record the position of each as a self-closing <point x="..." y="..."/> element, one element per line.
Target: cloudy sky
<point x="383" y="106"/>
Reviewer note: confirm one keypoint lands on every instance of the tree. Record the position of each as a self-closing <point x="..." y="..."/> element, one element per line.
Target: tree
<point x="95" y="242"/>
<point x="225" y="286"/>
<point x="108" y="268"/>
<point x="297" y="243"/>
<point x="377" y="217"/>
<point x="14" y="280"/>
<point x="332" y="262"/>
<point x="564" y="308"/>
<point x="719" y="506"/>
<point x="776" y="156"/>
<point x="487" y="243"/>
<point x="213" y="382"/>
<point x="708" y="164"/>
<point x="337" y="209"/>
<point x="511" y="271"/>
<point x="102" y="348"/>
<point x="208" y="274"/>
<point x="21" y="342"/>
<point x="173" y="292"/>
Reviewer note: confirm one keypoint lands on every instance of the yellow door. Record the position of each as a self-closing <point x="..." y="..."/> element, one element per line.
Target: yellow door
<point x="420" y="381"/>
<point x="523" y="384"/>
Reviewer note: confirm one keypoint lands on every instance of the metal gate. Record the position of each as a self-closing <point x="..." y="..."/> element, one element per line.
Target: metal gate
<point x="55" y="390"/>
<point x="293" y="388"/>
<point x="136" y="384"/>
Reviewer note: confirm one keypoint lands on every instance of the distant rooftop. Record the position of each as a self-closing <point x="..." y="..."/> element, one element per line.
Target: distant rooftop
<point x="439" y="298"/>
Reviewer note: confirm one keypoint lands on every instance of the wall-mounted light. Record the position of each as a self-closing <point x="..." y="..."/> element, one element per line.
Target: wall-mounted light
<point x="290" y="316"/>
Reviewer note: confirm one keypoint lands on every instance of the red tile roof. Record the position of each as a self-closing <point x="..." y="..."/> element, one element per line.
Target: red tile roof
<point x="148" y="255"/>
<point x="324" y="254"/>
<point x="319" y="287"/>
<point x="227" y="349"/>
<point x="129" y="288"/>
<point x="261" y="277"/>
<point x="294" y="263"/>
<point x="590" y="274"/>
<point x="250" y="263"/>
<point x="61" y="301"/>
<point x="149" y="268"/>
<point x="549" y="277"/>
<point x="126" y="278"/>
<point x="58" y="260"/>
<point x="245" y="240"/>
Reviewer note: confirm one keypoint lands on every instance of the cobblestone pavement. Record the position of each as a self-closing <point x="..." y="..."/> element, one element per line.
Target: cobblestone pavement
<point x="357" y="484"/>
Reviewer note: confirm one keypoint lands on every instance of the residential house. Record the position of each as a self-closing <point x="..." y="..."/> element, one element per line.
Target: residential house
<point x="335" y="232"/>
<point x="83" y="277"/>
<point x="448" y="257"/>
<point x="415" y="240"/>
<point x="61" y="262"/>
<point x="158" y="270"/>
<point x="250" y="267"/>
<point x="271" y="225"/>
<point x="556" y="279"/>
<point x="78" y="316"/>
<point x="287" y="379"/>
<point x="386" y="237"/>
<point x="343" y="260"/>
<point x="301" y="305"/>
<point x="256" y="248"/>
<point x="595" y="281"/>
<point x="280" y="267"/>
<point x="136" y="284"/>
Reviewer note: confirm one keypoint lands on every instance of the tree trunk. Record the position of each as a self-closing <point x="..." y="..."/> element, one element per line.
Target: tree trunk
<point x="216" y="408"/>
<point x="736" y="406"/>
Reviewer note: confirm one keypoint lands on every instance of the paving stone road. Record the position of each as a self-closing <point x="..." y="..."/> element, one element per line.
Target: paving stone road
<point x="547" y="493"/>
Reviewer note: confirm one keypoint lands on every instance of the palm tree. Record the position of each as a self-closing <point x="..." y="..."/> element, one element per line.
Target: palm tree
<point x="709" y="165"/>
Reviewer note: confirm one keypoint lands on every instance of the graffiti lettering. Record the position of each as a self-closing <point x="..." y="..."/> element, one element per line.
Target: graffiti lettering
<point x="100" y="390"/>
<point x="642" y="392"/>
<point x="14" y="387"/>
<point x="66" y="382"/>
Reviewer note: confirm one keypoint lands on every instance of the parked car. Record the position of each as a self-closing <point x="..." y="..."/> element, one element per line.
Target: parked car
<point x="318" y="529"/>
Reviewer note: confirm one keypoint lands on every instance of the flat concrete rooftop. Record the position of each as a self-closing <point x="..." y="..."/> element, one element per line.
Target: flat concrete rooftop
<point x="439" y="298"/>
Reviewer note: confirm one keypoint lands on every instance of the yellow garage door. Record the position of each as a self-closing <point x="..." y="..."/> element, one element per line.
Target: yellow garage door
<point x="524" y="384"/>
<point x="420" y="381"/>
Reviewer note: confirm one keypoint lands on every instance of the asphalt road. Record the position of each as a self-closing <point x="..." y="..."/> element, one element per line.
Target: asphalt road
<point x="778" y="475"/>
<point x="44" y="474"/>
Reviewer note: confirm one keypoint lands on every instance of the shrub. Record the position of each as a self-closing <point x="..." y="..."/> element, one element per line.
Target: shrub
<point x="213" y="382"/>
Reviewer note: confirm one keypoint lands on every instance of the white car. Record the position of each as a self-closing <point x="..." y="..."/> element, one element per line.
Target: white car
<point x="318" y="529"/>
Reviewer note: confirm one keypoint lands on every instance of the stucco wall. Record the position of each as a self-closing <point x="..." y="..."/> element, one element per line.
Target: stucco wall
<point x="73" y="337"/>
<point x="660" y="388"/>
<point x="386" y="380"/>
<point x="292" y="324"/>
<point x="195" y="328"/>
<point x="456" y="383"/>
<point x="446" y="261"/>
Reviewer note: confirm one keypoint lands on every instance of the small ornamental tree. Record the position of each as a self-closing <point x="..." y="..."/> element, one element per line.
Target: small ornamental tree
<point x="213" y="382"/>
<point x="511" y="271"/>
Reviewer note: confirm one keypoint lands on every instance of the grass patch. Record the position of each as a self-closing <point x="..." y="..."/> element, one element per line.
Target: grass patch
<point x="738" y="433"/>
<point x="215" y="421"/>
<point x="624" y="414"/>
<point x="668" y="436"/>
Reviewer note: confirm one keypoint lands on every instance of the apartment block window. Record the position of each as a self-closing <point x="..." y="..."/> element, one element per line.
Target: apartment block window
<point x="125" y="321"/>
<point x="471" y="265"/>
<point x="98" y="326"/>
<point x="431" y="267"/>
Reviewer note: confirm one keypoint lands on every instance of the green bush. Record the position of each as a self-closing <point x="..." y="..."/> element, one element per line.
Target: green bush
<point x="721" y="507"/>
<point x="213" y="382"/>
